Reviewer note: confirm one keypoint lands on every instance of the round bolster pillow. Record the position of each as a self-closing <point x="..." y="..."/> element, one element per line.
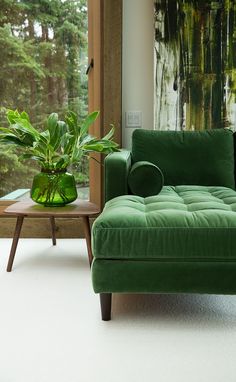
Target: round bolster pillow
<point x="145" y="179"/>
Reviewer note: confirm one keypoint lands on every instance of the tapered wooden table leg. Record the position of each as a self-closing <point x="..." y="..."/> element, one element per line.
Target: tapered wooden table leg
<point x="79" y="209"/>
<point x="19" y="223"/>
<point x="53" y="227"/>
<point x="87" y="233"/>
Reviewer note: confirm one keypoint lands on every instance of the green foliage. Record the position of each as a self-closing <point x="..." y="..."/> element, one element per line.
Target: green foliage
<point x="12" y="171"/>
<point x="43" y="56"/>
<point x="43" y="62"/>
<point x="60" y="144"/>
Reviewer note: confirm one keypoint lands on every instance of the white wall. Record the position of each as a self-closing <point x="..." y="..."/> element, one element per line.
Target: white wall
<point x="138" y="63"/>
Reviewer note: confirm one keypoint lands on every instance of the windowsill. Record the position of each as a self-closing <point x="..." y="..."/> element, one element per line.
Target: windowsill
<point x="16" y="195"/>
<point x="24" y="193"/>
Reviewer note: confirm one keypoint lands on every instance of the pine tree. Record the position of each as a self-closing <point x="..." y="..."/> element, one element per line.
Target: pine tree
<point x="43" y="59"/>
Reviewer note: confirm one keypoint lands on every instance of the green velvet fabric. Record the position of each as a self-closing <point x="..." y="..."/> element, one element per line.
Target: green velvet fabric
<point x="132" y="276"/>
<point x="182" y="240"/>
<point x="117" y="167"/>
<point x="188" y="157"/>
<point x="182" y="222"/>
<point x="145" y="179"/>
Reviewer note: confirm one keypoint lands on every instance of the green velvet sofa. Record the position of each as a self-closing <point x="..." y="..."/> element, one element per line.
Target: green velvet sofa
<point x="182" y="240"/>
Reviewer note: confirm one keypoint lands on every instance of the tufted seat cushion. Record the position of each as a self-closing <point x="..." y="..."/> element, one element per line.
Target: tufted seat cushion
<point x="182" y="223"/>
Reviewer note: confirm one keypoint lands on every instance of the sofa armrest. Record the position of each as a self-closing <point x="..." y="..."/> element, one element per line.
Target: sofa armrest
<point x="117" y="166"/>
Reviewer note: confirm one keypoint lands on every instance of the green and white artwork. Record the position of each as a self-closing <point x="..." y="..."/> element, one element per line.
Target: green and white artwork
<point x="195" y="64"/>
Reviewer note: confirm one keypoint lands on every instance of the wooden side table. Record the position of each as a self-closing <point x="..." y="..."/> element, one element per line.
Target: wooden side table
<point x="78" y="209"/>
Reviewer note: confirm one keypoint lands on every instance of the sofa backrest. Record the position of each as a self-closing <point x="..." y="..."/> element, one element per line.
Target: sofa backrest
<point x="188" y="157"/>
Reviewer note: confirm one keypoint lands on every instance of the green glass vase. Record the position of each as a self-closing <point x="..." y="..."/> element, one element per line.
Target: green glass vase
<point x="53" y="188"/>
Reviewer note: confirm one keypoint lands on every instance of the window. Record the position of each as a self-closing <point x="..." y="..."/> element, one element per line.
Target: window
<point x="43" y="69"/>
<point x="105" y="47"/>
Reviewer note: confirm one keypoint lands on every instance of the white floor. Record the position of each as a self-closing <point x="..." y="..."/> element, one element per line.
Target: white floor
<point x="51" y="331"/>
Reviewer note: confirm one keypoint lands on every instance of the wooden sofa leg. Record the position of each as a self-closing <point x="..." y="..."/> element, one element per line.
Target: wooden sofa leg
<point x="105" y="301"/>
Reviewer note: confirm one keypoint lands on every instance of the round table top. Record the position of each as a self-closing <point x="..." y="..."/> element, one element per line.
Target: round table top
<point x="78" y="208"/>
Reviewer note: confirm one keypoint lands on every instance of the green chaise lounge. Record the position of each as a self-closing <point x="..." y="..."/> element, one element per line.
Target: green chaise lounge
<point x="182" y="240"/>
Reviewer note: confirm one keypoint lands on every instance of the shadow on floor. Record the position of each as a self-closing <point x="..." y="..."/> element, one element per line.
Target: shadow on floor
<point x="180" y="308"/>
<point x="51" y="261"/>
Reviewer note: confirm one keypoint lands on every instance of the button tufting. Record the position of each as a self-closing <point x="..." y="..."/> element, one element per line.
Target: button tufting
<point x="184" y="222"/>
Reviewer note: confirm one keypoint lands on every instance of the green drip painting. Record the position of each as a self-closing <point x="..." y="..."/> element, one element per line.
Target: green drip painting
<point x="195" y="64"/>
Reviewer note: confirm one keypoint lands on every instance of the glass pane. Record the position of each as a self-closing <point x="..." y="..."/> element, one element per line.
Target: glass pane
<point x="43" y="65"/>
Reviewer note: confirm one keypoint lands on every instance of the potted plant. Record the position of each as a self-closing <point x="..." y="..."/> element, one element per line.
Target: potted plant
<point x="61" y="144"/>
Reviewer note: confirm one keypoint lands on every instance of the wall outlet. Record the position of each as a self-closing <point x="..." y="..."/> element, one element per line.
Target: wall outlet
<point x="133" y="119"/>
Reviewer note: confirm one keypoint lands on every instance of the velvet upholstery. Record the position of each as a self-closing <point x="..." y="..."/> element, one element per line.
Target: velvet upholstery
<point x="203" y="158"/>
<point x="132" y="276"/>
<point x="182" y="222"/>
<point x="117" y="167"/>
<point x="182" y="240"/>
<point x="145" y="179"/>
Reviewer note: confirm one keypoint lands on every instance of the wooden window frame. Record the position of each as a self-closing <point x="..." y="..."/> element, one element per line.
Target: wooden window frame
<point x="105" y="79"/>
<point x="105" y="95"/>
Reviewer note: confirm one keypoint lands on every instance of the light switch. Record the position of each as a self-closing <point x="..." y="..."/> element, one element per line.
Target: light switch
<point x="134" y="119"/>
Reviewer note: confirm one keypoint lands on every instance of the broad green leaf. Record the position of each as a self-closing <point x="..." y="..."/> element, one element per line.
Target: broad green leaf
<point x="45" y="136"/>
<point x="24" y="115"/>
<point x="55" y="139"/>
<point x="72" y="122"/>
<point x="26" y="125"/>
<point x="31" y="156"/>
<point x="89" y="120"/>
<point x="102" y="142"/>
<point x="40" y="154"/>
<point x="86" y="139"/>
<point x="60" y="130"/>
<point x="110" y="134"/>
<point x="93" y="147"/>
<point x="41" y="147"/>
<point x="68" y="143"/>
<point x="77" y="155"/>
<point x="27" y="139"/>
<point x="106" y="143"/>
<point x="12" y="115"/>
<point x="21" y="132"/>
<point x="11" y="140"/>
<point x="6" y="130"/>
<point x="63" y="162"/>
<point x="63" y="127"/>
<point x="50" y="148"/>
<point x="52" y="123"/>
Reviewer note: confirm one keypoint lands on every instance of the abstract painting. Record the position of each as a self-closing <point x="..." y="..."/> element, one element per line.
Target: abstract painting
<point x="195" y="64"/>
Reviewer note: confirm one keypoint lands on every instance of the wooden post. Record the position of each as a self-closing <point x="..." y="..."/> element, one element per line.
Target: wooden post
<point x="105" y="79"/>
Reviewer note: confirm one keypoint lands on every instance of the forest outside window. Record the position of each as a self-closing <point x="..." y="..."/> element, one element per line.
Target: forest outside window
<point x="43" y="69"/>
